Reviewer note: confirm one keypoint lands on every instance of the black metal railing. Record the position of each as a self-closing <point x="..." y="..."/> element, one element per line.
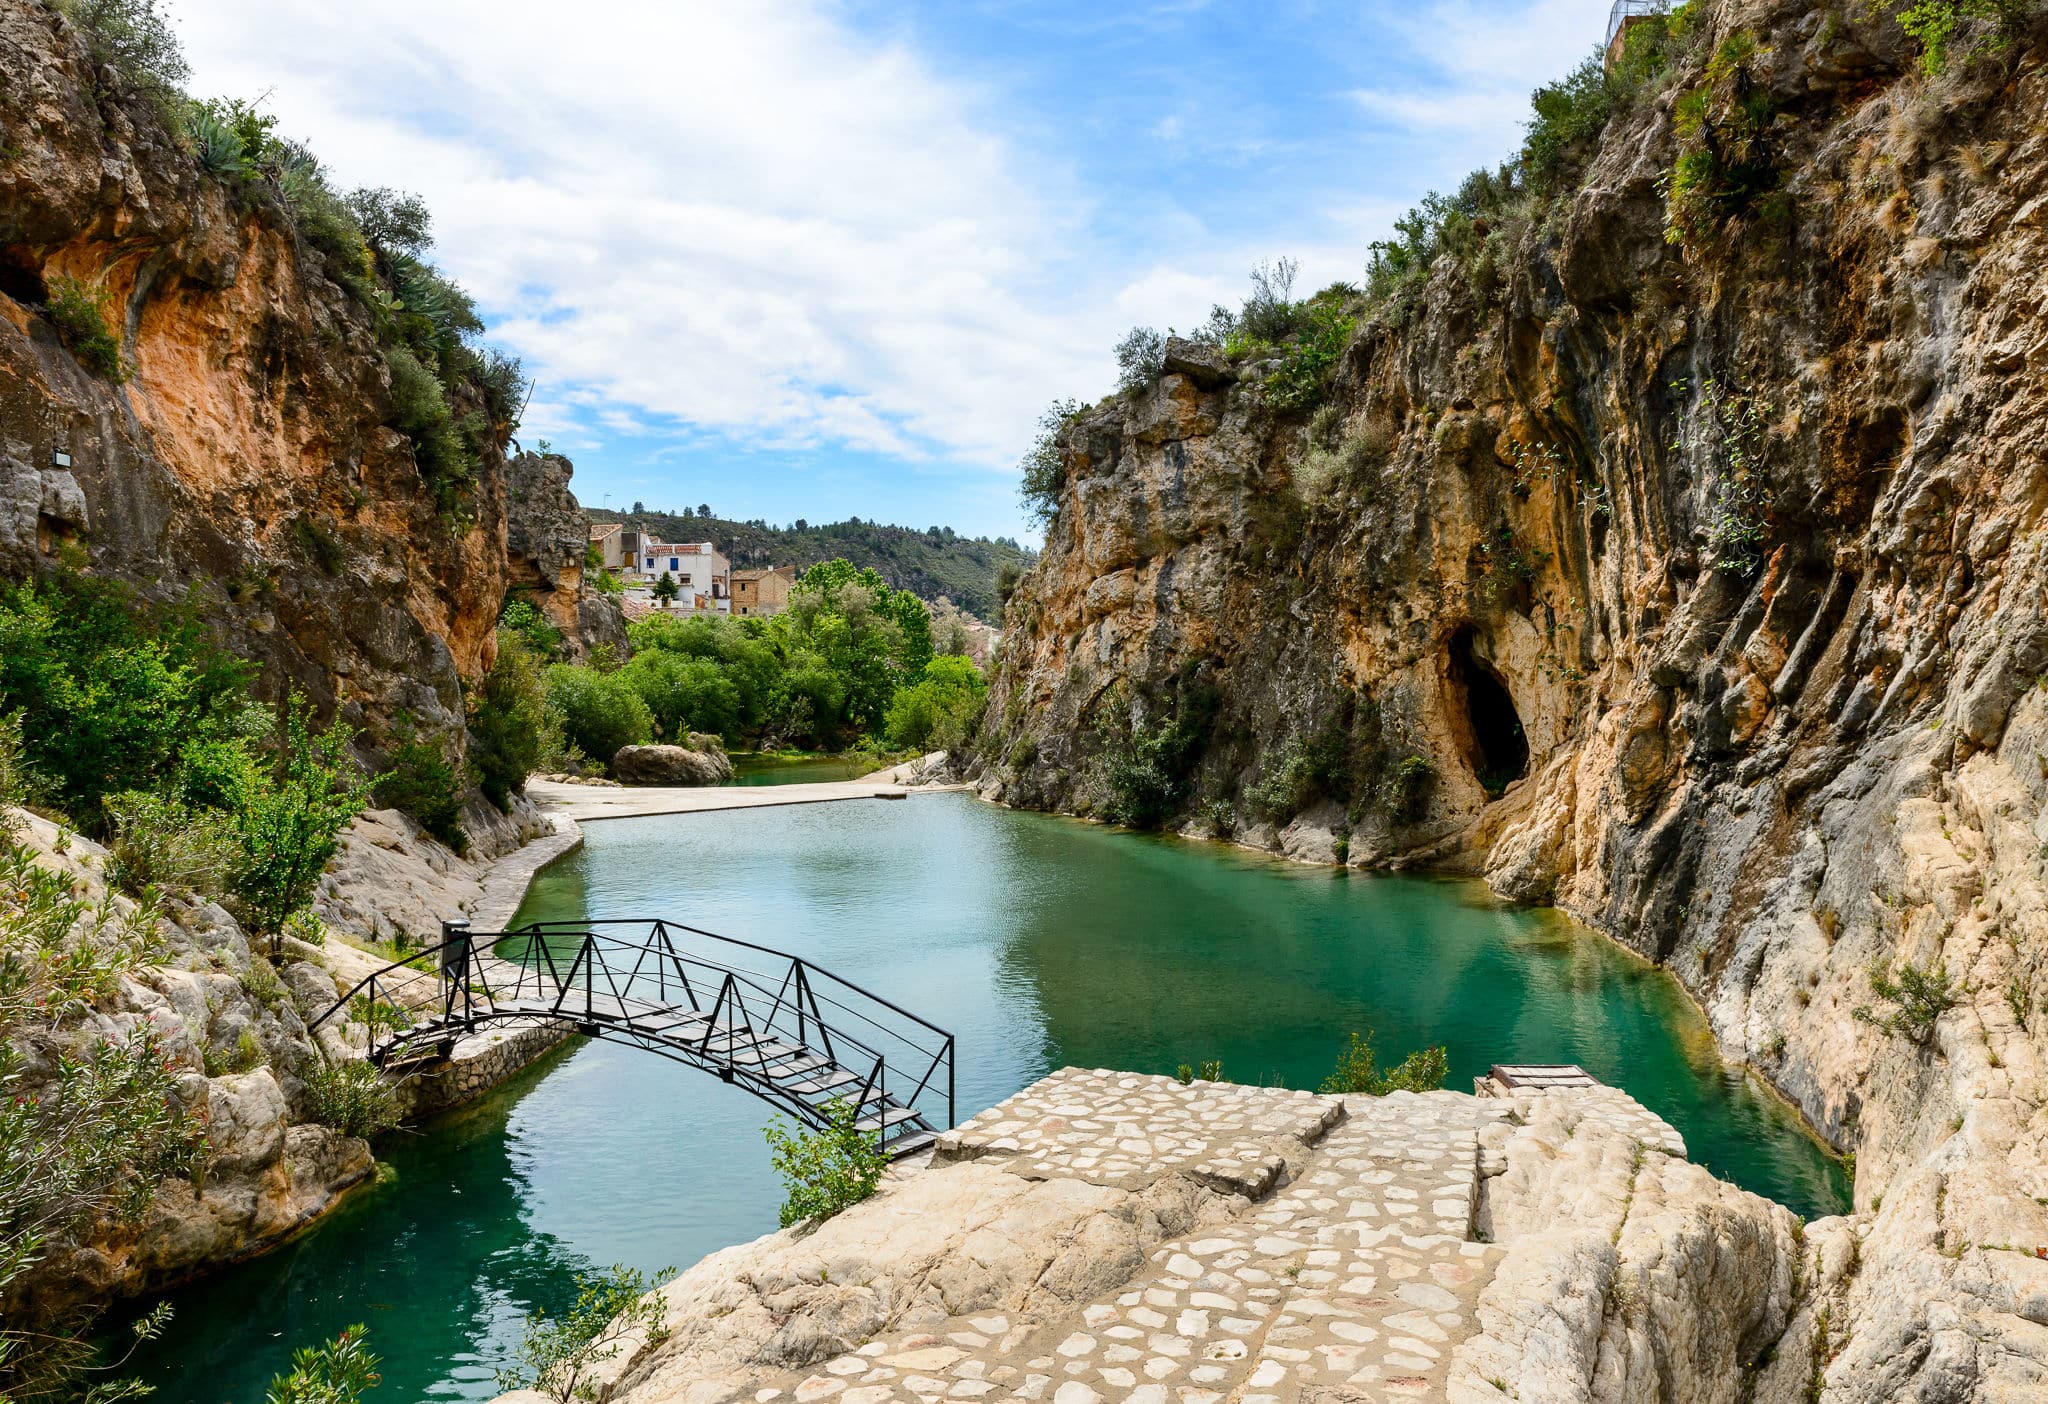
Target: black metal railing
<point x="792" y="1032"/>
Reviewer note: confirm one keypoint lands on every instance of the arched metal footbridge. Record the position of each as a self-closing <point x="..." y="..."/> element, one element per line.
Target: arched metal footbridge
<point x="791" y="1033"/>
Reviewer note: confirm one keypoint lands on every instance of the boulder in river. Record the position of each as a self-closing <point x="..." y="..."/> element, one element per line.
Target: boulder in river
<point x="672" y="765"/>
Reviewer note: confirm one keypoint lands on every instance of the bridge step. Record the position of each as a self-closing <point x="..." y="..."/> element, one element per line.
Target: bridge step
<point x="908" y="1143"/>
<point x="889" y="1116"/>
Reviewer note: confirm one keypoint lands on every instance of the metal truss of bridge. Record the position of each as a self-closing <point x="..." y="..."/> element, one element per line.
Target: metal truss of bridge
<point x="796" y="1036"/>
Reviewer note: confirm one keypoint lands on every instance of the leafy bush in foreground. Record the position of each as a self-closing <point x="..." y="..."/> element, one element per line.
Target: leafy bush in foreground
<point x="826" y="1171"/>
<point x="340" y="1371"/>
<point x="290" y="826"/>
<point x="556" y="1355"/>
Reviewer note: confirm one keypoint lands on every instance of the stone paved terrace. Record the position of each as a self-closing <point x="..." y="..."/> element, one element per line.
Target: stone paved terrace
<point x="1354" y="1278"/>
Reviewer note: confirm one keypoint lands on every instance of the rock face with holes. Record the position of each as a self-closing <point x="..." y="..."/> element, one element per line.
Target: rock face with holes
<point x="1113" y="1237"/>
<point x="1702" y="591"/>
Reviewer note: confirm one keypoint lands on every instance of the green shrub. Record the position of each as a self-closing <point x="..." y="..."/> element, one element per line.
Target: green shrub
<point x="557" y="1352"/>
<point x="1407" y="789"/>
<point x="1269" y="314"/>
<point x="1044" y="467"/>
<point x="1727" y="158"/>
<point x="1358" y="1070"/>
<point x="600" y="712"/>
<point x="290" y="827"/>
<point x="1568" y="117"/>
<point x="112" y="696"/>
<point x="1937" y="25"/>
<point x="340" y="1371"/>
<point x="1918" y="998"/>
<point x="828" y="1170"/>
<point x="306" y="925"/>
<point x="1140" y="359"/>
<point x="510" y="728"/>
<point x="685" y="693"/>
<point x="1210" y="1070"/>
<point x="1304" y="769"/>
<point x="1148" y="775"/>
<point x="159" y="841"/>
<point x="74" y="309"/>
<point x="84" y="1139"/>
<point x="135" y="40"/>
<point x="351" y="1097"/>
<point x="442" y="445"/>
<point x="522" y="618"/>
<point x="424" y="783"/>
<point x="1307" y="362"/>
<point x="939" y="710"/>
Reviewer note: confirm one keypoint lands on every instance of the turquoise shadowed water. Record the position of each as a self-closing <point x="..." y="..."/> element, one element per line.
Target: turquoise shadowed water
<point x="1040" y="942"/>
<point x="769" y="768"/>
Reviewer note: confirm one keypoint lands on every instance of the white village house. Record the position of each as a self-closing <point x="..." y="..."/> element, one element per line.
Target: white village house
<point x="703" y="576"/>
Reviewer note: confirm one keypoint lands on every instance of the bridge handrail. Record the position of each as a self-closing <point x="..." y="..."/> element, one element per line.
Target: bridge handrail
<point x="455" y="965"/>
<point x="890" y="1005"/>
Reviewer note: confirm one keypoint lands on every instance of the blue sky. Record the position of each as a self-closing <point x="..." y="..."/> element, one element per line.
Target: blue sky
<point x="795" y="258"/>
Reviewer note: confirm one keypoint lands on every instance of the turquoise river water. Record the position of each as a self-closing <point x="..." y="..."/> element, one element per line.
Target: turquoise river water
<point x="1040" y="942"/>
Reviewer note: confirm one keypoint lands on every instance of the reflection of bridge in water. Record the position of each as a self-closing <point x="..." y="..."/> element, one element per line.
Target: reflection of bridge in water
<point x="794" y="1035"/>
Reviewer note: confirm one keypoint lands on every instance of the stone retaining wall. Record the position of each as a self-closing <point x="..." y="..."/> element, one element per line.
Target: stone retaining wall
<point x="479" y="1063"/>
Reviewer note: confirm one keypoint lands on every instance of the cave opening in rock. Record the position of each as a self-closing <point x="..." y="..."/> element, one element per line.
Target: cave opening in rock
<point x="21" y="277"/>
<point x="1495" y="746"/>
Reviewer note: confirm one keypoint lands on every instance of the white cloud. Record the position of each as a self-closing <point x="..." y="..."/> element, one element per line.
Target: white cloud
<point x="705" y="224"/>
<point x="740" y="217"/>
<point x="1470" y="65"/>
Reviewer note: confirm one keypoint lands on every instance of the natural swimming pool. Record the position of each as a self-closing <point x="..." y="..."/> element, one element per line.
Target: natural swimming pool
<point x="1039" y="942"/>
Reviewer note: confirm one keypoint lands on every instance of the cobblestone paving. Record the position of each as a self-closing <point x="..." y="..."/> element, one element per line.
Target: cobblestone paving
<point x="1355" y="1281"/>
<point x="1127" y="1129"/>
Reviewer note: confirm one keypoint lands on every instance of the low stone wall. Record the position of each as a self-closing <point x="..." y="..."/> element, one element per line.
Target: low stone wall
<point x="479" y="1063"/>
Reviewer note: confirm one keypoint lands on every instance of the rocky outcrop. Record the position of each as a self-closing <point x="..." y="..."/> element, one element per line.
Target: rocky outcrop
<point x="702" y="762"/>
<point x="233" y="1021"/>
<point x="1109" y="1236"/>
<point x="249" y="453"/>
<point x="1704" y="593"/>
<point x="547" y="538"/>
<point x="233" y="1017"/>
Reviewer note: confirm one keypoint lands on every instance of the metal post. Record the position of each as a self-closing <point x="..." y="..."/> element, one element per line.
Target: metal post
<point x="454" y="964"/>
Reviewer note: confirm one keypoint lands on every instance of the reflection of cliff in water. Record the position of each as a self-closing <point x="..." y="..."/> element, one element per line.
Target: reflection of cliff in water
<point x="458" y="1184"/>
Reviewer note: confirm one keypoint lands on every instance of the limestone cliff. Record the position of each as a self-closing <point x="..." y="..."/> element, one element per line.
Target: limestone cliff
<point x="1700" y="587"/>
<point x="250" y="451"/>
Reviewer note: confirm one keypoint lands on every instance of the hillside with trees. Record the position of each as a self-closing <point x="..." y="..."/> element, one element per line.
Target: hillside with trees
<point x="975" y="573"/>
